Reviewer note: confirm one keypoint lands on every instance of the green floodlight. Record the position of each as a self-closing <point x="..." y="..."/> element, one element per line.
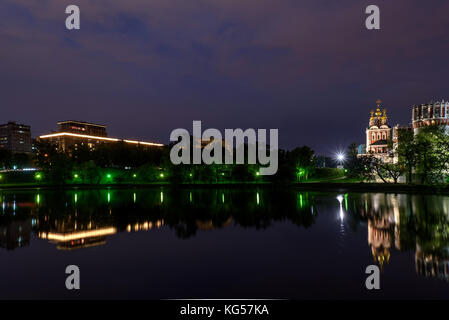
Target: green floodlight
<point x="190" y="175"/>
<point x="109" y="176"/>
<point x="38" y="176"/>
<point x="161" y="175"/>
<point x="134" y="175"/>
<point x="76" y="176"/>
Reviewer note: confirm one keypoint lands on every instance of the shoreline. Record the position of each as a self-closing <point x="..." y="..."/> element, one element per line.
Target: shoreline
<point x="306" y="186"/>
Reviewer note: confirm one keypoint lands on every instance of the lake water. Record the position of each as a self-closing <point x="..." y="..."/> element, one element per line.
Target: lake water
<point x="252" y="242"/>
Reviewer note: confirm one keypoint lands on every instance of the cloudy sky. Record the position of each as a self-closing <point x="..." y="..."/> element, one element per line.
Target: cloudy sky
<point x="145" y="67"/>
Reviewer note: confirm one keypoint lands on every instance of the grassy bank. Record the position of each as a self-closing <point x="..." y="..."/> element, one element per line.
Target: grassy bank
<point x="326" y="179"/>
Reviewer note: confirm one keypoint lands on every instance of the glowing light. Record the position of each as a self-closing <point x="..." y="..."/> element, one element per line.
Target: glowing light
<point x="76" y="176"/>
<point x="340" y="200"/>
<point x="134" y="175"/>
<point x="340" y="157"/>
<point x="161" y="175"/>
<point x="38" y="176"/>
<point x="300" y="173"/>
<point x="191" y="175"/>
<point x="257" y="197"/>
<point x="109" y="197"/>
<point x="62" y="134"/>
<point x="109" y="176"/>
<point x="78" y="235"/>
<point x="134" y="197"/>
<point x="162" y="197"/>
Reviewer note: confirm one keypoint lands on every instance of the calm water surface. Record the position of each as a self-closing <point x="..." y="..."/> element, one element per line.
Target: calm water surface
<point x="222" y="243"/>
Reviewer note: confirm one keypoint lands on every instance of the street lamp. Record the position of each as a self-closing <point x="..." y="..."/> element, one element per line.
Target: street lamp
<point x="340" y="158"/>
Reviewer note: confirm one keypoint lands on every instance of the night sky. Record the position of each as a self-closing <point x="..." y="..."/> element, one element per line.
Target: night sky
<point x="145" y="67"/>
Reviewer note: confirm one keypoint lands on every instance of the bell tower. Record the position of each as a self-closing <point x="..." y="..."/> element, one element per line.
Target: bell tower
<point x="378" y="133"/>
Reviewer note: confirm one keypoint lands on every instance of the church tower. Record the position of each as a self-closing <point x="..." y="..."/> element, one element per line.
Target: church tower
<point x="378" y="133"/>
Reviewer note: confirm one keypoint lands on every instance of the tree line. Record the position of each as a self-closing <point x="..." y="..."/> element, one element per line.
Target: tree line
<point x="122" y="162"/>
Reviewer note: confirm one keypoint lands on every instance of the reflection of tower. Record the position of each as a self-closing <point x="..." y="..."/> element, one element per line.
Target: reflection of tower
<point x="15" y="235"/>
<point x="432" y="265"/>
<point x="379" y="239"/>
<point x="382" y="212"/>
<point x="431" y="236"/>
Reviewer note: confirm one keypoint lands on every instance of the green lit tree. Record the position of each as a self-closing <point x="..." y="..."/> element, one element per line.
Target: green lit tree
<point x="432" y="154"/>
<point x="301" y="162"/>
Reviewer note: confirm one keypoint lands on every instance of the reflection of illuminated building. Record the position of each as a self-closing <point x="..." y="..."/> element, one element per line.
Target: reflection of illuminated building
<point x="432" y="265"/>
<point x="380" y="239"/>
<point x="210" y="225"/>
<point x="145" y="226"/>
<point x="70" y="235"/>
<point x="382" y="212"/>
<point x="78" y="239"/>
<point x="15" y="235"/>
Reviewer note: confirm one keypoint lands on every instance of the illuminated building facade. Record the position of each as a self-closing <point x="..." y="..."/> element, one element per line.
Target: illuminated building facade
<point x="378" y="135"/>
<point x="72" y="134"/>
<point x="15" y="138"/>
<point x="85" y="128"/>
<point x="434" y="113"/>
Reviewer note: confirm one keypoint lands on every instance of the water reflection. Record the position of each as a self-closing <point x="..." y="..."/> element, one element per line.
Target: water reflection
<point x="409" y="223"/>
<point x="74" y="219"/>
